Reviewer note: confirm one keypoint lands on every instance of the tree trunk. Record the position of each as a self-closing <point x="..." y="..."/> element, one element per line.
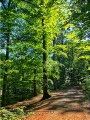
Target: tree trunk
<point x="34" y="83"/>
<point x="53" y="78"/>
<point x="45" y="79"/>
<point x="4" y="90"/>
<point x="55" y="84"/>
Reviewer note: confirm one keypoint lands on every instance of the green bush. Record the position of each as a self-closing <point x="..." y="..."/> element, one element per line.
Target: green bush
<point x="14" y="114"/>
<point x="86" y="86"/>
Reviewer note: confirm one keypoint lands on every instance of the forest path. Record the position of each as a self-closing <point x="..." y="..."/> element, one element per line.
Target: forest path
<point x="63" y="105"/>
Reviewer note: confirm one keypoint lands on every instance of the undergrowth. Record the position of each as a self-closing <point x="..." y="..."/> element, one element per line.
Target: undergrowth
<point x="14" y="114"/>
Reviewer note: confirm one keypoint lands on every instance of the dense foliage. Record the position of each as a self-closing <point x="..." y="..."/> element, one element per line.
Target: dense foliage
<point x="45" y="45"/>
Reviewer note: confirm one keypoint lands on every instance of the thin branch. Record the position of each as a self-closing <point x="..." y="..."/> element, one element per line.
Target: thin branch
<point x="9" y="3"/>
<point x="3" y="4"/>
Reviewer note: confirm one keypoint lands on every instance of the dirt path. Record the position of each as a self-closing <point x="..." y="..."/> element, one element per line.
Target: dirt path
<point x="63" y="105"/>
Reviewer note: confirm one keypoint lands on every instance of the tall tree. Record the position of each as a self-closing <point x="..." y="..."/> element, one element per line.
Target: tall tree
<point x="6" y="6"/>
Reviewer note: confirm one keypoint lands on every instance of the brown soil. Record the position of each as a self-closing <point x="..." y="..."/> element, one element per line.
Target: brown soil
<point x="63" y="105"/>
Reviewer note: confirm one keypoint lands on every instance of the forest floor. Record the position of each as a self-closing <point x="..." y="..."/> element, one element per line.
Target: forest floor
<point x="63" y="105"/>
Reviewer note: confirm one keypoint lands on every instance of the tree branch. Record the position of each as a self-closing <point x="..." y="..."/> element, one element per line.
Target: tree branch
<point x="9" y="3"/>
<point x="3" y="4"/>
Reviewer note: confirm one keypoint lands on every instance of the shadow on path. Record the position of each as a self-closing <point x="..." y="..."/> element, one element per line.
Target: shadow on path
<point x="70" y="100"/>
